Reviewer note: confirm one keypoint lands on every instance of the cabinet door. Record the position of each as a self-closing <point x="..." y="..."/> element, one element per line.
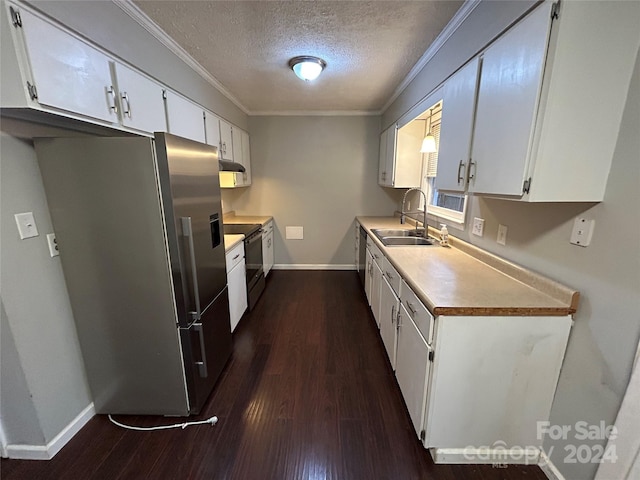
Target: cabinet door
<point x="226" y="140"/>
<point x="412" y="368"/>
<point x="382" y="160"/>
<point x="458" y="103"/>
<point x="184" y="118"/>
<point x="141" y="101"/>
<point x="368" y="276"/>
<point x="407" y="168"/>
<point x="507" y="105"/>
<point x="236" y="142"/>
<point x="246" y="157"/>
<point x="236" y="279"/>
<point x="376" y="285"/>
<point x="212" y="130"/>
<point x="389" y="305"/>
<point x="267" y="248"/>
<point x="68" y="73"/>
<point x="392" y="138"/>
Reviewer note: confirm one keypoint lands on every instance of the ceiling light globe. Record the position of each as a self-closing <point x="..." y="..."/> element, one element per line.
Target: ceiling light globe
<point x="307" y="68"/>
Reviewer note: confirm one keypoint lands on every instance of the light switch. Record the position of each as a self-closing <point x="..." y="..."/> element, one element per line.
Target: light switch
<point x="26" y="225"/>
<point x="294" y="233"/>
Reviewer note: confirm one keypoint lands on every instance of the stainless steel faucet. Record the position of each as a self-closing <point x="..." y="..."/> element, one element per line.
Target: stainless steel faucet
<point x="403" y="213"/>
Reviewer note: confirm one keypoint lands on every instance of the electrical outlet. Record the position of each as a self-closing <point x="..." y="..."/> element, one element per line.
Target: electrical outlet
<point x="502" y="235"/>
<point x="582" y="232"/>
<point x="53" y="244"/>
<point x="478" y="226"/>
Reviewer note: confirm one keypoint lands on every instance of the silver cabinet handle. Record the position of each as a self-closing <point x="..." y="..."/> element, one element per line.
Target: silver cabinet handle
<point x="473" y="165"/>
<point x="235" y="256"/>
<point x="112" y="104"/>
<point x="460" y="177"/>
<point x="399" y="320"/>
<point x="202" y="364"/>
<point x="126" y="110"/>
<point x="187" y="231"/>
<point x="389" y="276"/>
<point x="393" y="313"/>
<point x="411" y="308"/>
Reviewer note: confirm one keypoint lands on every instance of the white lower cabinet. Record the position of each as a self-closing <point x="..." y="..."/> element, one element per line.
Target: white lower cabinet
<point x="268" y="256"/>
<point x="389" y="304"/>
<point x="473" y="385"/>
<point x="412" y="368"/>
<point x="368" y="275"/>
<point x="493" y="380"/>
<point x="237" y="284"/>
<point x="376" y="283"/>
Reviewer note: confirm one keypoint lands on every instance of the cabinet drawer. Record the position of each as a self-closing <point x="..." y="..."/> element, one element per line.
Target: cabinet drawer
<point x="235" y="256"/>
<point x="417" y="311"/>
<point x="375" y="251"/>
<point x="391" y="274"/>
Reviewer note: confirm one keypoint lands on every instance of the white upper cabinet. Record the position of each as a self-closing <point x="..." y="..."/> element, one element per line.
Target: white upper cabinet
<point x="246" y="157"/>
<point x="141" y="100"/>
<point x="456" y="127"/>
<point x="212" y="130"/>
<point x="226" y="140"/>
<point x="65" y="73"/>
<point x="399" y="162"/>
<point x="382" y="160"/>
<point x="550" y="102"/>
<point x="507" y="103"/>
<point x="184" y="118"/>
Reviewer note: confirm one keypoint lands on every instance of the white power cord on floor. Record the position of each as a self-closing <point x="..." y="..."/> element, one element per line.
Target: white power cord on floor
<point x="211" y="421"/>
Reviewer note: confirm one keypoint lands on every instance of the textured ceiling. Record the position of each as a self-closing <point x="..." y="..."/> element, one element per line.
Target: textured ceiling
<point x="369" y="47"/>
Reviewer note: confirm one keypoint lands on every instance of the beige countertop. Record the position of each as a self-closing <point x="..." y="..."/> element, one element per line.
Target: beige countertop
<point x="464" y="280"/>
<point x="231" y="218"/>
<point x="231" y="240"/>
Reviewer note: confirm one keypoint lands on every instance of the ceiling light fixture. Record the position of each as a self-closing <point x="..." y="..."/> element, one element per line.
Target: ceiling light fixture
<point x="429" y="142"/>
<point x="307" y="68"/>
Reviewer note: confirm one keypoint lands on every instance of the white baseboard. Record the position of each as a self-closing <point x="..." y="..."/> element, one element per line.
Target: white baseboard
<point x="549" y="468"/>
<point x="313" y="266"/>
<point x="515" y="456"/>
<point x="48" y="451"/>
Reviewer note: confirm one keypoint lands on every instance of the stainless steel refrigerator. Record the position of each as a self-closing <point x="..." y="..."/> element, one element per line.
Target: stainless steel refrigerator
<point x="138" y="223"/>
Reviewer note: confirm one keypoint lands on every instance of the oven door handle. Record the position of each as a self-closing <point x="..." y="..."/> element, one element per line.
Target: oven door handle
<point x="254" y="237"/>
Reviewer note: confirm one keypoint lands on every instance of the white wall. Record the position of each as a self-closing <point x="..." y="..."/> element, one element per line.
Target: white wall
<point x="316" y="172"/>
<point x="38" y="313"/>
<point x="602" y="345"/>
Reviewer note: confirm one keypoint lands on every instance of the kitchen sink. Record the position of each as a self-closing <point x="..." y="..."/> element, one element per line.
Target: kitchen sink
<point x="381" y="233"/>
<point x="403" y="241"/>
<point x="390" y="237"/>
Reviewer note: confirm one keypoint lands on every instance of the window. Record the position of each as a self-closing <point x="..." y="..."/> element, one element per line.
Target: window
<point x="449" y="206"/>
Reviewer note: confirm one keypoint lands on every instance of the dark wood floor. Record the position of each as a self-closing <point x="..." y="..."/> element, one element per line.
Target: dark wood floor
<point x="307" y="394"/>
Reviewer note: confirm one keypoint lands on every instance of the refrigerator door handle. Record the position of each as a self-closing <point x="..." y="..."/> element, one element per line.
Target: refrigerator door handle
<point x="187" y="231"/>
<point x="202" y="365"/>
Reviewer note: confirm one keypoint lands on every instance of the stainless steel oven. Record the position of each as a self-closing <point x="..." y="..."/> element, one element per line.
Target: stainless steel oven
<point x="253" y="258"/>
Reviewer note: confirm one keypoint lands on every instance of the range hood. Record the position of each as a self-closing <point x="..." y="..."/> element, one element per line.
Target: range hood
<point x="227" y="166"/>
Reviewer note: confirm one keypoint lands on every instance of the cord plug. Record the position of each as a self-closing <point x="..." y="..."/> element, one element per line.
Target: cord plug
<point x="213" y="420"/>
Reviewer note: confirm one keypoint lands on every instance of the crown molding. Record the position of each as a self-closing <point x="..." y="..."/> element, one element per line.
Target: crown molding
<point x="150" y="26"/>
<point x="315" y="113"/>
<point x="455" y="22"/>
